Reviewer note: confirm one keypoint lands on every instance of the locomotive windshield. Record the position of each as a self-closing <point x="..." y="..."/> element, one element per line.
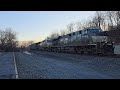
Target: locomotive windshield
<point x="93" y="30"/>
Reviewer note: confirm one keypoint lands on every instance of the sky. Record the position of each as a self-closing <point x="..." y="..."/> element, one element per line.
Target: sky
<point x="37" y="25"/>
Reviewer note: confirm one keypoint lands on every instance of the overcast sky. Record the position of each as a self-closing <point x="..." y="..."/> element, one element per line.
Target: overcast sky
<point x="36" y="25"/>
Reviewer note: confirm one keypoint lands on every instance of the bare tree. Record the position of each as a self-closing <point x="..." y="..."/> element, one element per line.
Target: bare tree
<point x="2" y="39"/>
<point x="63" y="32"/>
<point x="53" y="35"/>
<point x="113" y="19"/>
<point x="70" y="27"/>
<point x="109" y="16"/>
<point x="98" y="20"/>
<point x="79" y="26"/>
<point x="116" y="17"/>
<point x="8" y="39"/>
<point x="25" y="44"/>
<point x="30" y="42"/>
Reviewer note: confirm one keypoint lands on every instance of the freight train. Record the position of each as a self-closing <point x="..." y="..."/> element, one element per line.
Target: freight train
<point x="90" y="40"/>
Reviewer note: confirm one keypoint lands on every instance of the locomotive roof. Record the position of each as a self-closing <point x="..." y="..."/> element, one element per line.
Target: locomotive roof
<point x="57" y="38"/>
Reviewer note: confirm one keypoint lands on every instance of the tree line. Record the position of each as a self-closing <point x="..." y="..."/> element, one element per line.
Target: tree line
<point x="8" y="40"/>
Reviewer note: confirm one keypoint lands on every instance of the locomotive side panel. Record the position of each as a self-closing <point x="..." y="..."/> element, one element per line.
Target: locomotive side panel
<point x="89" y="40"/>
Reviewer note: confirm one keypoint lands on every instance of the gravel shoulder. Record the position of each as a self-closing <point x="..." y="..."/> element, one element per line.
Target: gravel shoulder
<point x="41" y="65"/>
<point x="106" y="65"/>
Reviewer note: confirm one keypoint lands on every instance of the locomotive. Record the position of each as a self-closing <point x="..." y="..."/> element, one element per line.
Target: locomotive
<point x="91" y="40"/>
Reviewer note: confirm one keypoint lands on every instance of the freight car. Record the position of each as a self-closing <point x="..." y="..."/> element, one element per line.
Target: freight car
<point x="90" y="40"/>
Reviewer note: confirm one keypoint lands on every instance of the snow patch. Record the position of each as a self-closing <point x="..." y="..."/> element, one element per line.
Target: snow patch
<point x="26" y="52"/>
